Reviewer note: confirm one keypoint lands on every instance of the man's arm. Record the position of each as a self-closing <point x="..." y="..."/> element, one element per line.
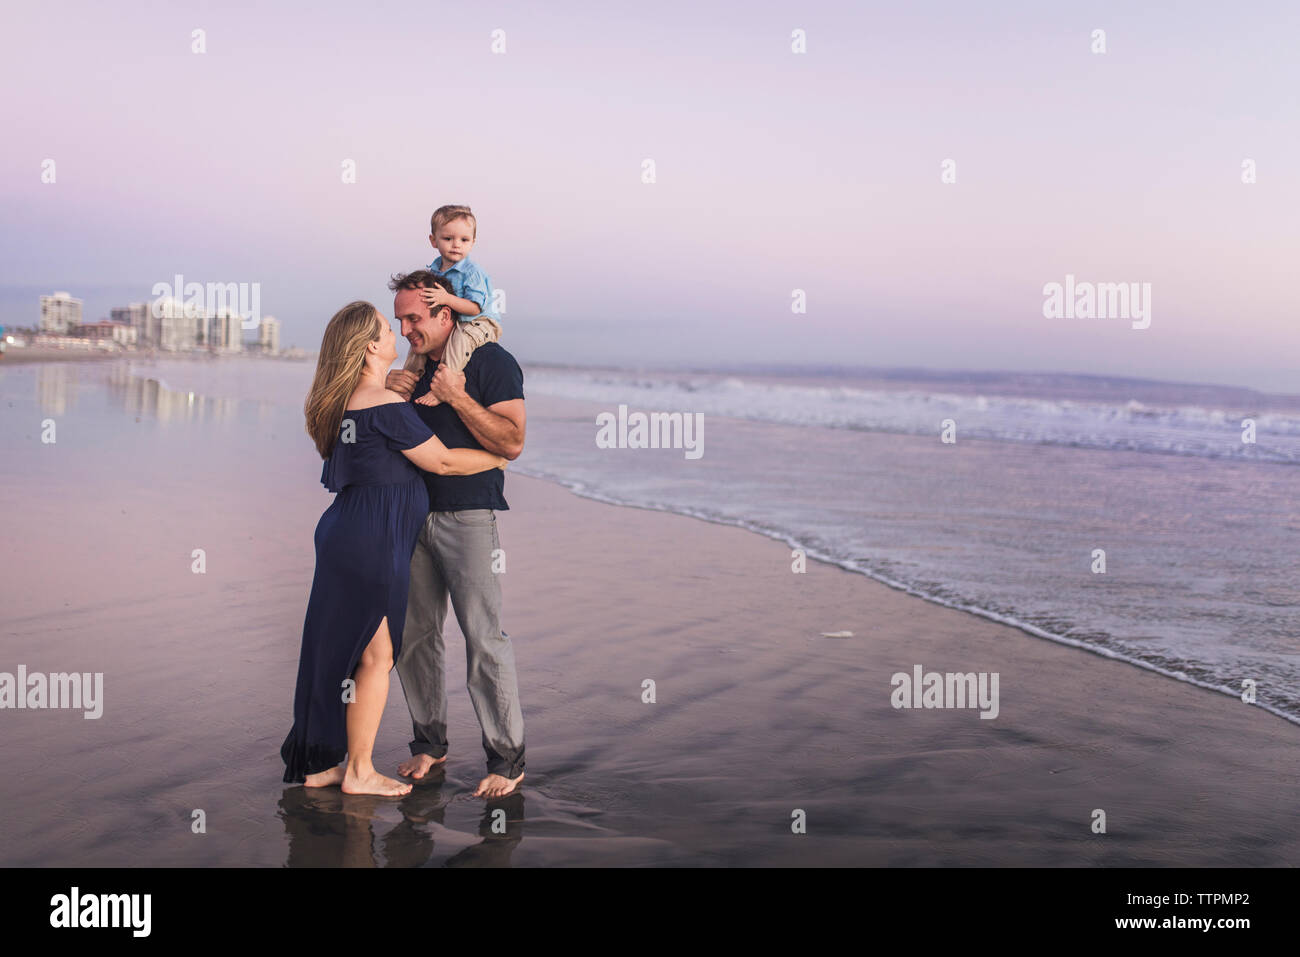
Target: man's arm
<point x="499" y="428"/>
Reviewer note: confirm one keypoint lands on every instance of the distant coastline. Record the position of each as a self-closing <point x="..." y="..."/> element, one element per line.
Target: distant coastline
<point x="13" y="356"/>
<point x="20" y="355"/>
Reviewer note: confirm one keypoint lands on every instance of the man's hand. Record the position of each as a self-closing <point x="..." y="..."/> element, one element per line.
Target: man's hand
<point x="447" y="386"/>
<point x="403" y="382"/>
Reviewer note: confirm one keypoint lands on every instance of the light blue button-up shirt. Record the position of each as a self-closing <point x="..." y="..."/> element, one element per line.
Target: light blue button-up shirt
<point x="468" y="282"/>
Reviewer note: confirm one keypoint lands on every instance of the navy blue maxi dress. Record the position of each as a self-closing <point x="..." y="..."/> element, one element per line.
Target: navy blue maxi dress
<point x="364" y="542"/>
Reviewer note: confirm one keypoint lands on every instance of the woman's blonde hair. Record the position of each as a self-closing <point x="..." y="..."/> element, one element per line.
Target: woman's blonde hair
<point x="339" y="365"/>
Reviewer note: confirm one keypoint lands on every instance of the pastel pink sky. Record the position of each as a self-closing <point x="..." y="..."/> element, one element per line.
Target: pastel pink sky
<point x="775" y="171"/>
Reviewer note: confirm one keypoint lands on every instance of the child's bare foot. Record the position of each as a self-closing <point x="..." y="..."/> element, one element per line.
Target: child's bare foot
<point x="428" y="399"/>
<point x="372" y="782"/>
<point x="324" y="779"/>
<point x="418" y="766"/>
<point x="496" y="785"/>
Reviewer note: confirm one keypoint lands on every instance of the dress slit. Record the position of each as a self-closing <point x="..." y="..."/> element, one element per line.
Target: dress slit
<point x="364" y="541"/>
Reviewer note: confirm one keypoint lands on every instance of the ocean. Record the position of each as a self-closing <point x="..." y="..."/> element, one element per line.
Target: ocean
<point x="1200" y="529"/>
<point x="1127" y="518"/>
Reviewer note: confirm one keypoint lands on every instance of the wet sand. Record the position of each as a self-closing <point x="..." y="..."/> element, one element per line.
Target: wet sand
<point x="756" y="715"/>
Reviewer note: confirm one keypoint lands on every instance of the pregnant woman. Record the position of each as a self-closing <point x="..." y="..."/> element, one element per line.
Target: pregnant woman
<point x="369" y="437"/>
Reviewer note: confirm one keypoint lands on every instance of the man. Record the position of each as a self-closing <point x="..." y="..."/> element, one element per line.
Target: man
<point x="481" y="408"/>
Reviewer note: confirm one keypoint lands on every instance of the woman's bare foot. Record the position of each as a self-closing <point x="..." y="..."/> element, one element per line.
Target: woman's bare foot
<point x="496" y="785"/>
<point x="418" y="766"/>
<point x="372" y="782"/>
<point x="324" y="779"/>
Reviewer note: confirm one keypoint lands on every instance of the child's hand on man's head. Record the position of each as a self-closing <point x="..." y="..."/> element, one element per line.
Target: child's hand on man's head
<point x="435" y="296"/>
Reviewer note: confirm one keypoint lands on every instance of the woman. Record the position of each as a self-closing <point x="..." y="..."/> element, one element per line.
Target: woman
<point x="372" y="441"/>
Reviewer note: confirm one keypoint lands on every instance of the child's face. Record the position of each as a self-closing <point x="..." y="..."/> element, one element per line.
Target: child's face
<point x="453" y="240"/>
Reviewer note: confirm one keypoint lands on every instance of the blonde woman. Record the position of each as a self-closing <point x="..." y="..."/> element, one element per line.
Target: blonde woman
<point x="372" y="442"/>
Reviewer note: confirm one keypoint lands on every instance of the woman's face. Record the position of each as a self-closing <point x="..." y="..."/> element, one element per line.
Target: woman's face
<point x="387" y="346"/>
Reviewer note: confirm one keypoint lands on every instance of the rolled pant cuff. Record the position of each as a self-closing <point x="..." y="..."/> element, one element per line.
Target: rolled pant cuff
<point x="432" y="750"/>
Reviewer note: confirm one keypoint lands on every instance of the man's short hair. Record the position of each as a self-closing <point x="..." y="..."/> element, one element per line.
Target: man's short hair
<point x="446" y="214"/>
<point x="420" y="279"/>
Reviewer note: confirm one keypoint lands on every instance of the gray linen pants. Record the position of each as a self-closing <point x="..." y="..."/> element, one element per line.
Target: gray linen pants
<point x="453" y="558"/>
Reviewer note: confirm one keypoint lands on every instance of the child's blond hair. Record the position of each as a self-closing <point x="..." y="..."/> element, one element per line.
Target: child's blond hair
<point x="446" y="214"/>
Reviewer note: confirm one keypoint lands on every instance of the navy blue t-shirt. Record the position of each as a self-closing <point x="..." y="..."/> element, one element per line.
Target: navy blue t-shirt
<point x="492" y="375"/>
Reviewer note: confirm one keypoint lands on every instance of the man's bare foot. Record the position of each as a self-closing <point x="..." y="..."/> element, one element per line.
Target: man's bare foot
<point x="428" y="399"/>
<point x="373" y="783"/>
<point x="497" y="785"/>
<point x="324" y="779"/>
<point x="418" y="766"/>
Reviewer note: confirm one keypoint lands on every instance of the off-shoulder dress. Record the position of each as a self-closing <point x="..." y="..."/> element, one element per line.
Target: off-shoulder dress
<point x="364" y="542"/>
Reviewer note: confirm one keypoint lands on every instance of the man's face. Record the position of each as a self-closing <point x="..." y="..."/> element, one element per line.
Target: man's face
<point x="425" y="333"/>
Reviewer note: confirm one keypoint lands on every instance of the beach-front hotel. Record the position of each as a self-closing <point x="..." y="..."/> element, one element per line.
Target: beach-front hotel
<point x="59" y="313"/>
<point x="168" y="324"/>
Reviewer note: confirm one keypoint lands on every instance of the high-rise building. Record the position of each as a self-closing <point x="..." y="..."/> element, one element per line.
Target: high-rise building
<point x="139" y="317"/>
<point x="59" y="313"/>
<point x="226" y="331"/>
<point x="177" y="326"/>
<point x="268" y="335"/>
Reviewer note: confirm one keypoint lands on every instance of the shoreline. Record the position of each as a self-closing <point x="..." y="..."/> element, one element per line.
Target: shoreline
<point x="755" y="713"/>
<point x="685" y="687"/>
<point x="31" y="354"/>
<point x="851" y="567"/>
<point x="28" y="354"/>
<point x="577" y="488"/>
<point x="748" y="639"/>
<point x="946" y="381"/>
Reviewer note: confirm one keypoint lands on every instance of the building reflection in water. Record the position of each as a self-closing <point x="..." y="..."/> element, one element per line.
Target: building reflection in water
<point x="141" y="395"/>
<point x="56" y="387"/>
<point x="59" y="385"/>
